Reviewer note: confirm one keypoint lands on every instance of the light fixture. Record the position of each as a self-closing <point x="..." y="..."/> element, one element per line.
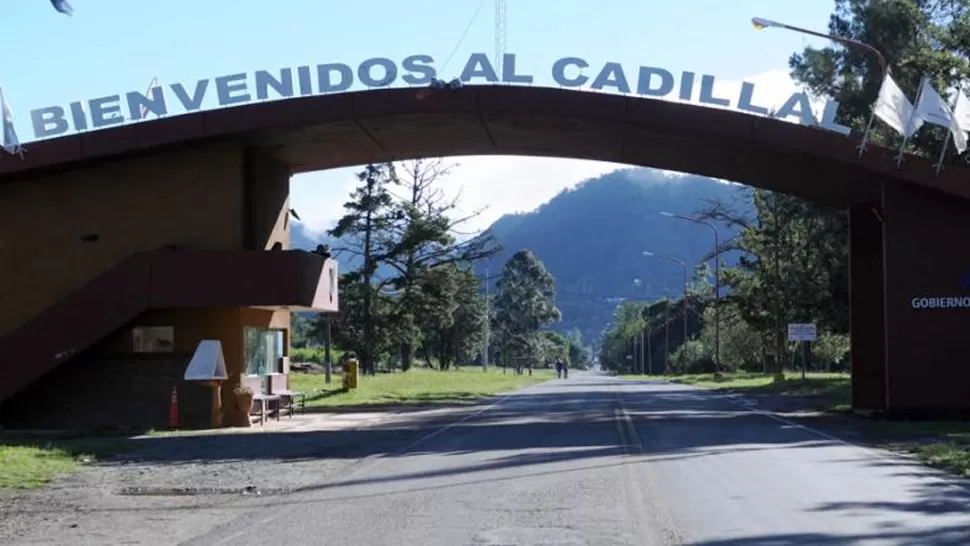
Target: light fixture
<point x="761" y="24"/>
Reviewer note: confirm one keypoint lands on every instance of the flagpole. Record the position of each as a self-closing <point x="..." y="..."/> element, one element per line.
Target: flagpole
<point x="872" y="117"/>
<point x="949" y="134"/>
<point x="151" y="85"/>
<point x="912" y="117"/>
<point x="946" y="144"/>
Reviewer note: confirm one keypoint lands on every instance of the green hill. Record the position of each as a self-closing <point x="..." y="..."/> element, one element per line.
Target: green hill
<point x="592" y="239"/>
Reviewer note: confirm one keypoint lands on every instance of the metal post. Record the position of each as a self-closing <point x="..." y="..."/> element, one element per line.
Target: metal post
<point x="717" y="302"/>
<point x="717" y="286"/>
<point x="642" y="368"/>
<point x="649" y="350"/>
<point x="328" y="361"/>
<point x="487" y="326"/>
<point x="667" y="336"/>
<point x="683" y="343"/>
<point x="760" y="23"/>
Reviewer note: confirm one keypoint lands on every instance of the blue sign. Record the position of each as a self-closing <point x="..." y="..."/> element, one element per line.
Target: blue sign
<point x="415" y="70"/>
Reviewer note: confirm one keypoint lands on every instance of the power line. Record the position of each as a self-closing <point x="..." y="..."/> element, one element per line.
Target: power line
<point x="463" y="34"/>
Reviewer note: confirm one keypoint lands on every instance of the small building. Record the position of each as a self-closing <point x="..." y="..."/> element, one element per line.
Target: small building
<point x="114" y="272"/>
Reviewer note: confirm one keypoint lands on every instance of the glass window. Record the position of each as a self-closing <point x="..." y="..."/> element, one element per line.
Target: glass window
<point x="153" y="339"/>
<point x="262" y="349"/>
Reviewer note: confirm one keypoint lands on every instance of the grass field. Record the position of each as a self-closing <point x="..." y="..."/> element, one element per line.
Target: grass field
<point x="417" y="386"/>
<point x="29" y="462"/>
<point x="823" y="391"/>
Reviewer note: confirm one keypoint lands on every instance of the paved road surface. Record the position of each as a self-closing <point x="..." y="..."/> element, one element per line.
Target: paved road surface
<point x="594" y="460"/>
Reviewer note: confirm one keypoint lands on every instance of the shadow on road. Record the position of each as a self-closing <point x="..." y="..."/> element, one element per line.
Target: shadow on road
<point x="946" y="536"/>
<point x="574" y="420"/>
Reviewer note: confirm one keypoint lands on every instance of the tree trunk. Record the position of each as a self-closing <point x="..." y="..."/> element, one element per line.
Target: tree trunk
<point x="407" y="356"/>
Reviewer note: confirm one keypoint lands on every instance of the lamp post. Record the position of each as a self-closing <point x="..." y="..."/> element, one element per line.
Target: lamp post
<point x="717" y="286"/>
<point x="683" y="267"/>
<point x="761" y="24"/>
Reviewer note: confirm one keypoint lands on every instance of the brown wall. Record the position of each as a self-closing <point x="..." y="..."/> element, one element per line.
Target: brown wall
<point x="110" y="391"/>
<point x="926" y="255"/>
<point x="191" y="198"/>
<point x="267" y="199"/>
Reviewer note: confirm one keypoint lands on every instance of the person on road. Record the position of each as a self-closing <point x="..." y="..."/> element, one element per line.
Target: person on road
<point x="559" y="369"/>
<point x="565" y="370"/>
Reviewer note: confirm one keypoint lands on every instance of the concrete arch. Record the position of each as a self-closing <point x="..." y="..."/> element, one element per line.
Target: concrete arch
<point x="906" y="226"/>
<point x="330" y="131"/>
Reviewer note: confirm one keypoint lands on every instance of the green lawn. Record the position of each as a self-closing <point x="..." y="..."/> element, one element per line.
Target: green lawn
<point x="417" y="386"/>
<point x="820" y="391"/>
<point x="27" y="462"/>
<point x="823" y="391"/>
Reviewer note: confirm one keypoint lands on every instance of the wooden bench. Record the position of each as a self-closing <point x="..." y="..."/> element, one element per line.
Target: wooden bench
<point x="261" y="407"/>
<point x="288" y="399"/>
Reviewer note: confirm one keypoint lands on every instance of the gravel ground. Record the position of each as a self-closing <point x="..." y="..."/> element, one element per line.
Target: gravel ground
<point x="170" y="488"/>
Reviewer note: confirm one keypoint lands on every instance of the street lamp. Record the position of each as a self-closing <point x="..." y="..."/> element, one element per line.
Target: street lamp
<point x="761" y="24"/>
<point x="683" y="267"/>
<point x="717" y="285"/>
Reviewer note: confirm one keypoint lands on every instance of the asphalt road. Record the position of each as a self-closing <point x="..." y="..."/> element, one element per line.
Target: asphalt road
<point x="594" y="460"/>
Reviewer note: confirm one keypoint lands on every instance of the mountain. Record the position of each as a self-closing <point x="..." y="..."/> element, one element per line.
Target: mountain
<point x="592" y="238"/>
<point x="304" y="238"/>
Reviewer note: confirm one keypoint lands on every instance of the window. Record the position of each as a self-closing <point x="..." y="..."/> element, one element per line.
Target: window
<point x="262" y="349"/>
<point x="153" y="339"/>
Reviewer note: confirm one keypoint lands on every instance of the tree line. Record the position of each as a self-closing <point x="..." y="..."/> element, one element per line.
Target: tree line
<point x="793" y="265"/>
<point x="415" y="296"/>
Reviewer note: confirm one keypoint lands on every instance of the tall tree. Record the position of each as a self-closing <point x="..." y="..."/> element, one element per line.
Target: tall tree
<point x="423" y="238"/>
<point x="524" y="303"/>
<point x="367" y="221"/>
<point x="451" y="315"/>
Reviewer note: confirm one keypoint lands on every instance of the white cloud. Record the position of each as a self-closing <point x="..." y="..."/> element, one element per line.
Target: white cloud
<point x="507" y="184"/>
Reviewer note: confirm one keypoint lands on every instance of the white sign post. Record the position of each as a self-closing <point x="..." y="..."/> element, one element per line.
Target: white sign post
<point x="806" y="333"/>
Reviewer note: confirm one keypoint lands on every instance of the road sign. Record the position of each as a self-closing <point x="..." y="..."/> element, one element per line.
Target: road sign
<point x="801" y="332"/>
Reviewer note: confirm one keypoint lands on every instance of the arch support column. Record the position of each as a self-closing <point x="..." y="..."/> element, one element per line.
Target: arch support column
<point x="866" y="312"/>
<point x="910" y="297"/>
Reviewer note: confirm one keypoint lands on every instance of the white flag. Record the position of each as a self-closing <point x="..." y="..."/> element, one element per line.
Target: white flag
<point x="961" y="111"/>
<point x="10" y="142"/>
<point x="894" y="108"/>
<point x="932" y="108"/>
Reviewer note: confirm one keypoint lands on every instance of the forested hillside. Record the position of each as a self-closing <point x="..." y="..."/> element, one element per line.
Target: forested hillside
<point x="592" y="239"/>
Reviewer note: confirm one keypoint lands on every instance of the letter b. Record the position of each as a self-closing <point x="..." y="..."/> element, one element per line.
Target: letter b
<point x="49" y="121"/>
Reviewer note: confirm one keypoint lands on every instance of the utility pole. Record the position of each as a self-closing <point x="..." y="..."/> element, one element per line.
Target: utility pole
<point x="649" y="350"/>
<point x="667" y="335"/>
<point x="486" y="326"/>
<point x="779" y="341"/>
<point x="643" y="368"/>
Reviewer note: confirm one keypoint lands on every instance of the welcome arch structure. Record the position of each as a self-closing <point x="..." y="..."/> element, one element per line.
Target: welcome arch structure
<point x="81" y="213"/>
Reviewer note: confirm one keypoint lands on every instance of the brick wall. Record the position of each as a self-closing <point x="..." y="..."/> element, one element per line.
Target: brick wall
<point x="110" y="391"/>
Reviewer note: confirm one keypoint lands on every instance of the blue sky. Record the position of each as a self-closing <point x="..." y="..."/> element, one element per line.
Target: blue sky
<point x="114" y="46"/>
